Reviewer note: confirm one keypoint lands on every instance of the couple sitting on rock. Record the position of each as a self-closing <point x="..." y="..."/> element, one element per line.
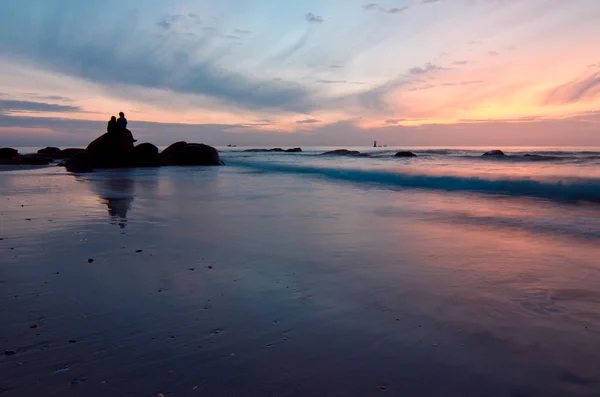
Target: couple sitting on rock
<point x="119" y="127"/>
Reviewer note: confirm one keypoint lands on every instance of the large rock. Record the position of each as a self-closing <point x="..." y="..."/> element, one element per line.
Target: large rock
<point x="183" y="153"/>
<point x="69" y="152"/>
<point x="112" y="150"/>
<point x="81" y="162"/>
<point x="51" y="151"/>
<point x="494" y="153"/>
<point x="342" y="152"/>
<point x="146" y="155"/>
<point x="405" y="154"/>
<point x="294" y="150"/>
<point x="35" y="159"/>
<point x="10" y="156"/>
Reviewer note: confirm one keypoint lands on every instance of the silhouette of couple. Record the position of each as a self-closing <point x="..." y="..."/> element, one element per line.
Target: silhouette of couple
<point x="119" y="126"/>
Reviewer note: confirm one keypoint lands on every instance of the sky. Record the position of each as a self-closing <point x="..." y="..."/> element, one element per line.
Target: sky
<point x="326" y="72"/>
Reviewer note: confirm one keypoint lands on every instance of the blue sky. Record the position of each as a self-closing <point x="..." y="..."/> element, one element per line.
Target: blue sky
<point x="269" y="71"/>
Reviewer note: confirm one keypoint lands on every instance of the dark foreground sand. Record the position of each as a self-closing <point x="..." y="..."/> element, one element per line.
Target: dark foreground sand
<point x="222" y="283"/>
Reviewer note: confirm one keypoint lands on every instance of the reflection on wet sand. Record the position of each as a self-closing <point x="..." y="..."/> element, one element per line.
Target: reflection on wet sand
<point x="116" y="189"/>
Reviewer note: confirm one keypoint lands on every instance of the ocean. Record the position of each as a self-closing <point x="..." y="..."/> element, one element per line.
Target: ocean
<point x="298" y="274"/>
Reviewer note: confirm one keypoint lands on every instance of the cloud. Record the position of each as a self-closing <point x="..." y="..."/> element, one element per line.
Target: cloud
<point x="430" y="1"/>
<point x="308" y="121"/>
<point x="242" y="31"/>
<point x="395" y="10"/>
<point x="10" y="106"/>
<point x="394" y="121"/>
<point x="122" y="56"/>
<point x="340" y="82"/>
<point x="460" y="62"/>
<point x="582" y="89"/>
<point x="493" y="53"/>
<point x="376" y="7"/>
<point x="428" y="68"/>
<point x="312" y="18"/>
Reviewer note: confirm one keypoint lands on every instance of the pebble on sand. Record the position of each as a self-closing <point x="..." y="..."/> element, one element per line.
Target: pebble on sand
<point x="90" y="260"/>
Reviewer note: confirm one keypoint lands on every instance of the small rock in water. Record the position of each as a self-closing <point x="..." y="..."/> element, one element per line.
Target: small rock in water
<point x="382" y="388"/>
<point x="192" y="269"/>
<point x="138" y="251"/>
<point x="90" y="260"/>
<point x="33" y="326"/>
<point x="79" y="380"/>
<point x="10" y="352"/>
<point x="210" y="267"/>
<point x="72" y="341"/>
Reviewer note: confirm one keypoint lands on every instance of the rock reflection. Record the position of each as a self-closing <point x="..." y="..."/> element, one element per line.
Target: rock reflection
<point x="116" y="189"/>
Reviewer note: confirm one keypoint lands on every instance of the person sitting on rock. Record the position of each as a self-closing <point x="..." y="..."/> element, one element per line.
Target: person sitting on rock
<point x="112" y="125"/>
<point x="122" y="123"/>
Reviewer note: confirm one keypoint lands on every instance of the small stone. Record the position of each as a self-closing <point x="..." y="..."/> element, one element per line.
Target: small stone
<point x="33" y="326"/>
<point x="382" y="388"/>
<point x="79" y="380"/>
<point x="27" y="219"/>
<point x="10" y="352"/>
<point x="90" y="260"/>
<point x="72" y="341"/>
<point x="138" y="251"/>
<point x="210" y="267"/>
<point x="192" y="269"/>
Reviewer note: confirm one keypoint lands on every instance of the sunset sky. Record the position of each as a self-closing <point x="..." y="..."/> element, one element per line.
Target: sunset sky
<point x="424" y="72"/>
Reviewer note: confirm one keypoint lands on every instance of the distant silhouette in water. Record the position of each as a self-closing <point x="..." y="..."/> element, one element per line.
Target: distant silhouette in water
<point x="374" y="143"/>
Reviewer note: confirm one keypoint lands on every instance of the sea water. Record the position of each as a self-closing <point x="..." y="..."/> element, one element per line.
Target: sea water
<point x="444" y="274"/>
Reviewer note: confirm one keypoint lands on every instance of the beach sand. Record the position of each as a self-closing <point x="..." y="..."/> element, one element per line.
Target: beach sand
<point x="226" y="282"/>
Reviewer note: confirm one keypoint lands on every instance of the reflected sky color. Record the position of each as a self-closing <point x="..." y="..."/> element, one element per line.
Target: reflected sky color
<point x="462" y="71"/>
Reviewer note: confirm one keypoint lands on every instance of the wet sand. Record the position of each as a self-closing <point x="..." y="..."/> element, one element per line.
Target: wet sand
<point x="232" y="283"/>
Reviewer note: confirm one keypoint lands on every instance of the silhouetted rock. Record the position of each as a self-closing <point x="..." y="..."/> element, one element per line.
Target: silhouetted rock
<point x="183" y="153"/>
<point x="35" y="159"/>
<point x="112" y="150"/>
<point x="172" y="149"/>
<point x="277" y="149"/>
<point x="66" y="153"/>
<point x="494" y="153"/>
<point x="294" y="150"/>
<point x="80" y="162"/>
<point x="52" y="151"/>
<point x="405" y="154"/>
<point x="10" y="156"/>
<point x="342" y="152"/>
<point x="146" y="155"/>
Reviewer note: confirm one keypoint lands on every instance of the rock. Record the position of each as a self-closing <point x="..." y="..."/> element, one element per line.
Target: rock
<point x="10" y="156"/>
<point x="50" y="150"/>
<point x="67" y="153"/>
<point x="81" y="162"/>
<point x="146" y="155"/>
<point x="183" y="153"/>
<point x="342" y="152"/>
<point x="35" y="159"/>
<point x="172" y="149"/>
<point x="405" y="154"/>
<point x="494" y="153"/>
<point x="112" y="150"/>
<point x="264" y="150"/>
<point x="10" y="352"/>
<point x="294" y="150"/>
